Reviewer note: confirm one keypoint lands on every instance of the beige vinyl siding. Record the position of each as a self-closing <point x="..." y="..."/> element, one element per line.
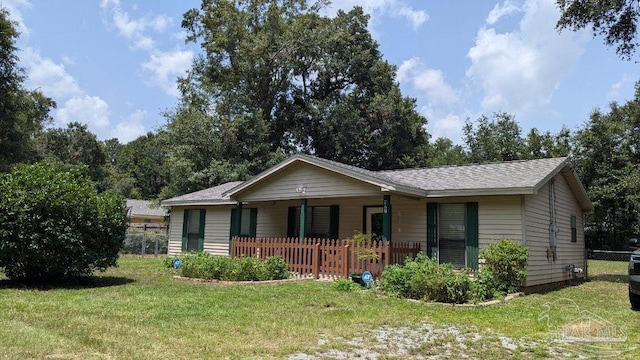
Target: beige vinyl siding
<point x="217" y="229"/>
<point x="540" y="269"/>
<point x="175" y="231"/>
<point x="319" y="184"/>
<point x="499" y="218"/>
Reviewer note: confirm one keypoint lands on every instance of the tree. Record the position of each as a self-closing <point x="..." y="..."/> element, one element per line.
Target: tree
<point x="74" y="145"/>
<point x="312" y="83"/>
<point x="547" y="145"/>
<point x="204" y="150"/>
<point x="444" y="152"/>
<point x="22" y="112"/>
<point x="608" y="161"/>
<point x="500" y="139"/>
<point x="143" y="160"/>
<point x="496" y="139"/>
<point x="54" y="225"/>
<point x="616" y="20"/>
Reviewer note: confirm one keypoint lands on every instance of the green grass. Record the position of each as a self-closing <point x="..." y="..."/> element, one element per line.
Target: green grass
<point x="137" y="311"/>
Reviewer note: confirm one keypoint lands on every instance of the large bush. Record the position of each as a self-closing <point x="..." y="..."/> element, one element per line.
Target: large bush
<point x="424" y="279"/>
<point x="505" y="265"/>
<point x="54" y="225"/>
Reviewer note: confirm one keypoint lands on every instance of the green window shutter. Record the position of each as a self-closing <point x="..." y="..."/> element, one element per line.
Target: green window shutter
<point x="185" y="224"/>
<point x="203" y="217"/>
<point x="232" y="223"/>
<point x="291" y="222"/>
<point x="472" y="235"/>
<point x="253" y="222"/>
<point x="334" y="221"/>
<point x="432" y="230"/>
<point x="232" y="228"/>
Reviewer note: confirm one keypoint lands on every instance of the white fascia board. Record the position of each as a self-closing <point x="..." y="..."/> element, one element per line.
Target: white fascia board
<point x="480" y="192"/>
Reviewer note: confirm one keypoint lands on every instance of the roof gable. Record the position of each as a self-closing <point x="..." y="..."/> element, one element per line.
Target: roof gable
<point x="501" y="178"/>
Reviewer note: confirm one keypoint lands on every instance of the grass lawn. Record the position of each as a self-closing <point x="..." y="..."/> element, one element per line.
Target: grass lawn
<point x="137" y="311"/>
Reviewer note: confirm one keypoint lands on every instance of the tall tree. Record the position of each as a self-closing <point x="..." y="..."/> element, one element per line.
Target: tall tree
<point x="315" y="84"/>
<point x="500" y="139"/>
<point x="607" y="157"/>
<point x="22" y="112"/>
<point x="74" y="145"/>
<point x="495" y="139"/>
<point x="616" y="20"/>
<point x="143" y="160"/>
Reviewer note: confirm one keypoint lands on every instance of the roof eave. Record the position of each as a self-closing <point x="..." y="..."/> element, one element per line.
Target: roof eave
<point x="168" y="203"/>
<point x="480" y="192"/>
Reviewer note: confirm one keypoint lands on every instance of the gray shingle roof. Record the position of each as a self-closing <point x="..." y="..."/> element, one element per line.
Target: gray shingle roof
<point x="501" y="178"/>
<point x="213" y="195"/>
<point x="515" y="175"/>
<point x="142" y="208"/>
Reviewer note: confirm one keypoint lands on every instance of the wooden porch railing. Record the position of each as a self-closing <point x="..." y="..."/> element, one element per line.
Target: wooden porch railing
<point x="325" y="257"/>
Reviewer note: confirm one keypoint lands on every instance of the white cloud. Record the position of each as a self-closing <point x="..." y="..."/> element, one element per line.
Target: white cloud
<point x="507" y="8"/>
<point x="131" y="128"/>
<point x="521" y="69"/>
<point x="619" y="86"/>
<point x="443" y="124"/>
<point x="50" y="78"/>
<point x="429" y="81"/>
<point x="134" y="30"/>
<point x="165" y="67"/>
<point x="90" y="110"/>
<point x="16" y="15"/>
<point x="394" y="8"/>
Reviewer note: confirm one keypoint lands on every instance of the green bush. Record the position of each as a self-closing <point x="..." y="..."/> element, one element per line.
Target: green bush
<point x="506" y="265"/>
<point x="54" y="225"/>
<point x="345" y="285"/>
<point x="424" y="279"/>
<point x="206" y="266"/>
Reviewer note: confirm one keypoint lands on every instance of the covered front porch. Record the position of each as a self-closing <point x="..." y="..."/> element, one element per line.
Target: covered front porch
<point x="327" y="258"/>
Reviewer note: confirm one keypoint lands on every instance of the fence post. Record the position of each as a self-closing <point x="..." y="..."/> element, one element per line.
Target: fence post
<point x="156" y="251"/>
<point x="316" y="261"/>
<point x="144" y="244"/>
<point x="345" y="256"/>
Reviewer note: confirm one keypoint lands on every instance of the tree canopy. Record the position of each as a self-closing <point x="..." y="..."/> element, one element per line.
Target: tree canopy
<point x="23" y="113"/>
<point x="615" y="20"/>
<point x="313" y="84"/>
<point x="608" y="161"/>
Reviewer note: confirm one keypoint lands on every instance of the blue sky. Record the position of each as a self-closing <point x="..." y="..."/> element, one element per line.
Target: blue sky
<point x="113" y="64"/>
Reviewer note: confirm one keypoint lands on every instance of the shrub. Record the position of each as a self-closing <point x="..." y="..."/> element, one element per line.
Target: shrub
<point x="54" y="224"/>
<point x="206" y="266"/>
<point x="424" y="279"/>
<point x="345" y="285"/>
<point x="506" y="262"/>
<point x="277" y="268"/>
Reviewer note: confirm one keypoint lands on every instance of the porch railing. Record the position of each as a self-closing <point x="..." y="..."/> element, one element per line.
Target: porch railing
<point x="325" y="257"/>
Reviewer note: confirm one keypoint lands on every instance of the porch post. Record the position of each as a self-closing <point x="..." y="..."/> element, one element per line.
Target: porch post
<point x="237" y="224"/>
<point x="303" y="218"/>
<point x="386" y="218"/>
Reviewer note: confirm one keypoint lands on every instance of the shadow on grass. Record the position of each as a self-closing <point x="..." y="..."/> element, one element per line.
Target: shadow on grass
<point x="78" y="283"/>
<point x="615" y="278"/>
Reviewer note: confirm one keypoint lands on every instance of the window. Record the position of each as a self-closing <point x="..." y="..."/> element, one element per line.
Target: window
<point x="320" y="222"/>
<point x="452" y="233"/>
<point x="193" y="230"/>
<point x="373" y="221"/>
<point x="248" y="221"/>
<point x="574" y="229"/>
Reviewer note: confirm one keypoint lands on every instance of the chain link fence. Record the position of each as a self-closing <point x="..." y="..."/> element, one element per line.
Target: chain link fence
<point x="608" y="255"/>
<point x="145" y="243"/>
